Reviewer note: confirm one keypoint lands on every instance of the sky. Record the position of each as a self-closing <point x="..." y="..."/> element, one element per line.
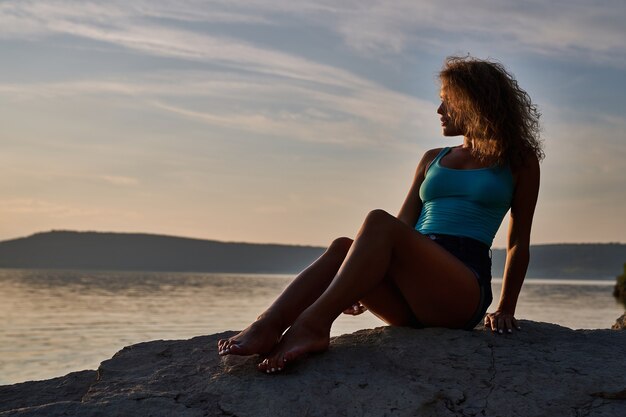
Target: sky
<point x="288" y="121"/>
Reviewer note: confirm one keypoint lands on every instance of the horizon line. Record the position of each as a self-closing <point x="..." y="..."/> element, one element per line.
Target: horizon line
<point x="257" y="243"/>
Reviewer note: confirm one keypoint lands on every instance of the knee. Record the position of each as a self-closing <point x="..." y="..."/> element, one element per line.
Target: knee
<point x="341" y="244"/>
<point x="377" y="219"/>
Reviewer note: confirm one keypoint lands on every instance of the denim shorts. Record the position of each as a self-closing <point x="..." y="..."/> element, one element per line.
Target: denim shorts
<point x="476" y="255"/>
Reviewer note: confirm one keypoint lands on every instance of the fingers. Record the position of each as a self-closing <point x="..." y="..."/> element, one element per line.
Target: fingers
<point x="516" y="324"/>
<point x="496" y="324"/>
<point x="355" y="309"/>
<point x="500" y="323"/>
<point x="492" y="323"/>
<point x="508" y="322"/>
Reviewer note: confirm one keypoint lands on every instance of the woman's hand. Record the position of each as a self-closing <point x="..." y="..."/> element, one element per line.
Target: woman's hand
<point x="355" y="309"/>
<point x="501" y="322"/>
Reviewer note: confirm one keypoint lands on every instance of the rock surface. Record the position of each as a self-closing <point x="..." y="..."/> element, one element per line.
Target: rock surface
<point x="620" y="323"/>
<point x="544" y="370"/>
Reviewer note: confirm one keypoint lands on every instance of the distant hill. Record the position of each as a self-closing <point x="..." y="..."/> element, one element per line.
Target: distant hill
<point x="133" y="252"/>
<point x="570" y="260"/>
<point x="122" y="251"/>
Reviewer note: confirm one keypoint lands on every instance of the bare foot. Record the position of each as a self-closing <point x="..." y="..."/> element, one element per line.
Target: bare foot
<point x="300" y="339"/>
<point x="258" y="338"/>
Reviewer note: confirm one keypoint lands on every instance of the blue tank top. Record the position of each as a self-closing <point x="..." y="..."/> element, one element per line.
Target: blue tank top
<point x="464" y="202"/>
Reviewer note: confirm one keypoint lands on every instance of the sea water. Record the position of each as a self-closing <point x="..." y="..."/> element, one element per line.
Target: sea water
<point x="55" y="322"/>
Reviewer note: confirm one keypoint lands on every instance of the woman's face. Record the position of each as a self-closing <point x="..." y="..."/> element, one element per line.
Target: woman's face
<point x="448" y="125"/>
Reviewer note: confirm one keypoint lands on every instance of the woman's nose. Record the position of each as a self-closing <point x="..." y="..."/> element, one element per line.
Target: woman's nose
<point x="441" y="109"/>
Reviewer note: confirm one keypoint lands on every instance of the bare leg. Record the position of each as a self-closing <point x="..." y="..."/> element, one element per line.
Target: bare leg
<point x="440" y="289"/>
<point x="387" y="302"/>
<point x="262" y="335"/>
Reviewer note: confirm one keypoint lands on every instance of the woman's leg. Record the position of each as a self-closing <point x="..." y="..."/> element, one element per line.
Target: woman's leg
<point x="262" y="335"/>
<point x="440" y="289"/>
<point x="387" y="302"/>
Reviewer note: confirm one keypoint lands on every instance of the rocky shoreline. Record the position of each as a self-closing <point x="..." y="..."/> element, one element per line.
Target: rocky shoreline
<point x="544" y="370"/>
<point x="619" y="291"/>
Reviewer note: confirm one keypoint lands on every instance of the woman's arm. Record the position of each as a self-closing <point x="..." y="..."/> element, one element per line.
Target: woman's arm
<point x="518" y="244"/>
<point x="412" y="206"/>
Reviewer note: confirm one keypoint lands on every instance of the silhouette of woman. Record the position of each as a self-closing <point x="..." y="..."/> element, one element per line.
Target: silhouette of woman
<point x="430" y="265"/>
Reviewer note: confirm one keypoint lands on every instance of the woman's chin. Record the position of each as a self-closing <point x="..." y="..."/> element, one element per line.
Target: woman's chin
<point x="450" y="132"/>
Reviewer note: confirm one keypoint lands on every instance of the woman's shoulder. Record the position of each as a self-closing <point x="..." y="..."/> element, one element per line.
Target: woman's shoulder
<point x="428" y="158"/>
<point x="431" y="154"/>
<point x="528" y="169"/>
<point x="529" y="164"/>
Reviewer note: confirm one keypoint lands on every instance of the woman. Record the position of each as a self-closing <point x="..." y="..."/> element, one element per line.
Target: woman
<point x="430" y="265"/>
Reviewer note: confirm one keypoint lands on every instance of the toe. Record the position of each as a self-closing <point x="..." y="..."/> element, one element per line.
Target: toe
<point x="290" y="356"/>
<point x="271" y="365"/>
<point x="277" y="363"/>
<point x="227" y="347"/>
<point x="223" y="348"/>
<point x="262" y="366"/>
<point x="235" y="348"/>
<point x="268" y="365"/>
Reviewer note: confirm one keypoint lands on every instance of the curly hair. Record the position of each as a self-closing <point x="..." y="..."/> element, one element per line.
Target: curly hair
<point x="484" y="98"/>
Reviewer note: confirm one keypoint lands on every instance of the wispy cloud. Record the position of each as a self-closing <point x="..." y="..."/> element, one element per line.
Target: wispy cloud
<point x="149" y="80"/>
<point x="361" y="112"/>
<point x="40" y="207"/>
<point x="565" y="28"/>
<point x="120" y="180"/>
<point x="575" y="28"/>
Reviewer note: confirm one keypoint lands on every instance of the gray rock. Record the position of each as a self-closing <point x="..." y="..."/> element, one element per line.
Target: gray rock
<point x="71" y="387"/>
<point x="544" y="370"/>
<point x="620" y="323"/>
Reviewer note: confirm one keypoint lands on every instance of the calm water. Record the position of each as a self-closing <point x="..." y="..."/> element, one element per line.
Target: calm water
<point x="55" y="322"/>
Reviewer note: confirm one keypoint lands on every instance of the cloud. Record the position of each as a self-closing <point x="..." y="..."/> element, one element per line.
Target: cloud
<point x="271" y="209"/>
<point x="566" y="28"/>
<point x="264" y="91"/>
<point x="569" y="28"/>
<point x="110" y="24"/>
<point x="365" y="115"/>
<point x="341" y="104"/>
<point x="279" y="69"/>
<point x="120" y="180"/>
<point x="51" y="209"/>
<point x="585" y="160"/>
<point x="360" y="113"/>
